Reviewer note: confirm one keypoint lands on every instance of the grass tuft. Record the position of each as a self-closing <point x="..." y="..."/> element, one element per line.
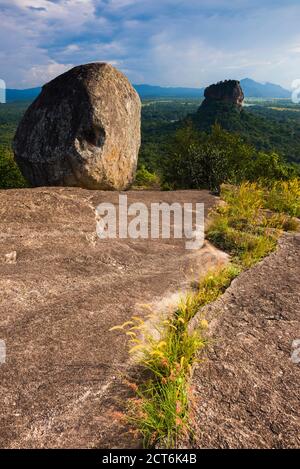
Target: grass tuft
<point x="284" y="196"/>
<point x="161" y="412"/>
<point x="244" y="228"/>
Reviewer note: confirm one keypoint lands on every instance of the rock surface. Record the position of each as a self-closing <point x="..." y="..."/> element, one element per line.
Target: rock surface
<point x="247" y="389"/>
<point x="228" y="91"/>
<point x="82" y="130"/>
<point x="61" y="384"/>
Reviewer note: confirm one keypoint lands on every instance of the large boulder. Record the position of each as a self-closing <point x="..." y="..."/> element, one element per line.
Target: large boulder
<point x="82" y="130"/>
<point x="223" y="104"/>
<point x="229" y="91"/>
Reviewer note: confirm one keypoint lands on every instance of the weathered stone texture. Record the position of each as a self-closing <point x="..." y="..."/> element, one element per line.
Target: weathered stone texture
<point x="82" y="130"/>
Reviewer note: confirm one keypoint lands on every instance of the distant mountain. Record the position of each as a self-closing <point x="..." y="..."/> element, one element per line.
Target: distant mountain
<point x="150" y="91"/>
<point x="22" y="95"/>
<point x="145" y="92"/>
<point x="251" y="88"/>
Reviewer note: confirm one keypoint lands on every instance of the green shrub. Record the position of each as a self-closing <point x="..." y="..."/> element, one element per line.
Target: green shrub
<point x="10" y="175"/>
<point x="207" y="160"/>
<point x="241" y="227"/>
<point x="268" y="167"/>
<point x="146" y="179"/>
<point x="284" y="196"/>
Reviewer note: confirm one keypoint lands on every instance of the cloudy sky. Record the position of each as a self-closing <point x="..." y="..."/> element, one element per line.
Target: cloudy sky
<point x="164" y="42"/>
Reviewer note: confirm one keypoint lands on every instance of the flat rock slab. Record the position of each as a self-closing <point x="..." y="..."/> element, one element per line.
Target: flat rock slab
<point x="61" y="290"/>
<point x="247" y="390"/>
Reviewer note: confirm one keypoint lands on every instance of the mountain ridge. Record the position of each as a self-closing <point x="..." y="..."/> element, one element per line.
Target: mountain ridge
<point x="251" y="88"/>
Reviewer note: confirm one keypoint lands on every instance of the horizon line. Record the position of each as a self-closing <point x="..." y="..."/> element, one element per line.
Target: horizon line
<point x="168" y="86"/>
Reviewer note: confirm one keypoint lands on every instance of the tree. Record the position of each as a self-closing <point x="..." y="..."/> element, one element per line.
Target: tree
<point x="10" y="175"/>
<point x="206" y="160"/>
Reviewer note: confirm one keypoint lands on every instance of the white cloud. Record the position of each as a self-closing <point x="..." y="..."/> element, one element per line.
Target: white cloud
<point x="71" y="48"/>
<point x="25" y="35"/>
<point x="115" y="4"/>
<point x="171" y="42"/>
<point x="43" y="73"/>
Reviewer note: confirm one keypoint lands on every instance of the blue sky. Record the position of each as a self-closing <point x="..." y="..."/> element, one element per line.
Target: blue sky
<point x="164" y="42"/>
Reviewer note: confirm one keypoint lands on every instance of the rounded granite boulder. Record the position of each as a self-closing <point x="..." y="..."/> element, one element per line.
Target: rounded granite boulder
<point x="82" y="130"/>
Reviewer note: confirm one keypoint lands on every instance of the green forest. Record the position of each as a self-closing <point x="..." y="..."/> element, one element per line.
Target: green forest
<point x="188" y="146"/>
<point x="10" y="115"/>
<point x="184" y="146"/>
